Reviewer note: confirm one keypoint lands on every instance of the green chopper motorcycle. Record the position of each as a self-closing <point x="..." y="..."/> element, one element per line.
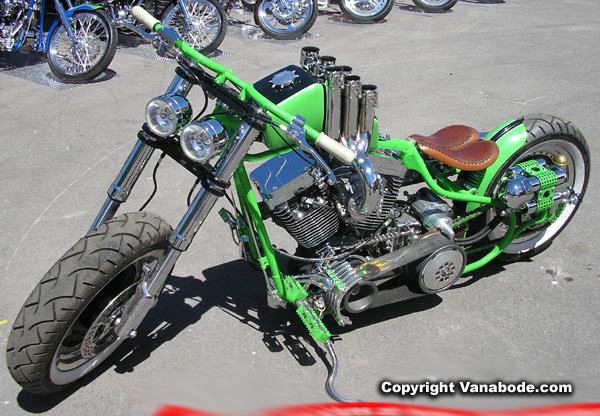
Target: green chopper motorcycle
<point x="377" y="220"/>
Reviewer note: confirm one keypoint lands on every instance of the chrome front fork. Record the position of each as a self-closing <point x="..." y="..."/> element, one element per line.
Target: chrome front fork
<point x="66" y="21"/>
<point x="121" y="188"/>
<point x="182" y="236"/>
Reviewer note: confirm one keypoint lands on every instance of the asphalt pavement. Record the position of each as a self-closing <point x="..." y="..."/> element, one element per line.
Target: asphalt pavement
<point x="212" y="343"/>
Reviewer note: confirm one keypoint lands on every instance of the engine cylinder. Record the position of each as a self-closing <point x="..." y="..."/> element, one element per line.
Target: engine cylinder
<point x="308" y="226"/>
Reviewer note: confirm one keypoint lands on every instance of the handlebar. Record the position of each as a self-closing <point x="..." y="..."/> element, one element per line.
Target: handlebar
<point x="336" y="149"/>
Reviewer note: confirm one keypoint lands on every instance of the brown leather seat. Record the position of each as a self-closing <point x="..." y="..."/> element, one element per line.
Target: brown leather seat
<point x="459" y="147"/>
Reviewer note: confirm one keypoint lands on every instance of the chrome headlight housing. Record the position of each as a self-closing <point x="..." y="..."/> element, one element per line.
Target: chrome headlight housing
<point x="167" y="113"/>
<point x="203" y="140"/>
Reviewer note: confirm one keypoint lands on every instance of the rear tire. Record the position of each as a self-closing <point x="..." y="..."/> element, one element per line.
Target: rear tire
<point x="546" y="137"/>
<point x="68" y="325"/>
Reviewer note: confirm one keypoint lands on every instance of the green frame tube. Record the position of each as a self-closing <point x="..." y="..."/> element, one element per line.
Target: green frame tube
<point x="249" y="208"/>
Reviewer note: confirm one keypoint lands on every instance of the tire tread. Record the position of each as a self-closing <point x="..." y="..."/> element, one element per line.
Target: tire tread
<point x="76" y="277"/>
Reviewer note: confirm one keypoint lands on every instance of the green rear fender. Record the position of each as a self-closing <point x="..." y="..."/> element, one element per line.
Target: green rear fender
<point x="509" y="137"/>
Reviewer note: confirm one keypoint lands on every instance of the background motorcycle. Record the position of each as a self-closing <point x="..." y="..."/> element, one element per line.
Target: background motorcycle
<point x="79" y="46"/>
<point x="201" y="23"/>
<point x="514" y="193"/>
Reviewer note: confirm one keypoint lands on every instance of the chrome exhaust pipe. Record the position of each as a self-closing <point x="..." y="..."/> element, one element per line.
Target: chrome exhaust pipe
<point x="366" y="118"/>
<point x="335" y="86"/>
<point x="351" y="94"/>
<point x="347" y="70"/>
<point x="324" y="63"/>
<point x="309" y="59"/>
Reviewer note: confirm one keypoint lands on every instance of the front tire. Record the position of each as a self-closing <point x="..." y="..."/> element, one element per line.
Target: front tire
<point x="435" y="6"/>
<point x="90" y="54"/>
<point x="366" y="11"/>
<point x="68" y="325"/>
<point x="207" y="28"/>
<point x="547" y="136"/>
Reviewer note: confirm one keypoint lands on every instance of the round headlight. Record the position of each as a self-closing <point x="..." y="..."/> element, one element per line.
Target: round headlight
<point x="201" y="141"/>
<point x="167" y="113"/>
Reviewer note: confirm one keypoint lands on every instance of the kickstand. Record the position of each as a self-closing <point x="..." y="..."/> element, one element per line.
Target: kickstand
<point x="331" y="376"/>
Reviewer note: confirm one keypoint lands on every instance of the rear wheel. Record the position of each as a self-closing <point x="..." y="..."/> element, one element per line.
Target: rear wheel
<point x="547" y="137"/>
<point x="69" y="323"/>
<point x="206" y="28"/>
<point x="435" y="6"/>
<point x="90" y="54"/>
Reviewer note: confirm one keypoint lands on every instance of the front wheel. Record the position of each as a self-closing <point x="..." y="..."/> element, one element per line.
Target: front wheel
<point x="89" y="54"/>
<point x="435" y="6"/>
<point x="366" y="11"/>
<point x="547" y="137"/>
<point x="206" y="28"/>
<point x="285" y="19"/>
<point x="69" y="323"/>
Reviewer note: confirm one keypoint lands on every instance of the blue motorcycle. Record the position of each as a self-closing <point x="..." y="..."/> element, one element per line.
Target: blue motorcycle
<point x="79" y="45"/>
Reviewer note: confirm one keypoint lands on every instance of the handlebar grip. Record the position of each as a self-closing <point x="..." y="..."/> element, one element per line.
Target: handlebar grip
<point x="341" y="152"/>
<point x="144" y="17"/>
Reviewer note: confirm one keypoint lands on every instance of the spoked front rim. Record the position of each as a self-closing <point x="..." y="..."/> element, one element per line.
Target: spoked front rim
<point x="365" y="8"/>
<point x="203" y="28"/>
<point x="285" y="16"/>
<point x="92" y="337"/>
<point x="92" y="37"/>
<point x="576" y="173"/>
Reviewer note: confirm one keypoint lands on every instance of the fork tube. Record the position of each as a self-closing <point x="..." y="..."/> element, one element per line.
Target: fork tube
<point x="183" y="235"/>
<point x="65" y="20"/>
<point x="207" y="196"/>
<point x="121" y="188"/>
<point x="185" y="11"/>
